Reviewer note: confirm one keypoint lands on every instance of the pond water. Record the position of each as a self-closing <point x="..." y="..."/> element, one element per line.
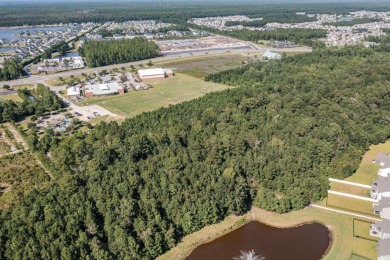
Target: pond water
<point x="10" y="34"/>
<point x="308" y="241"/>
<point x="4" y="49"/>
<point x="70" y="54"/>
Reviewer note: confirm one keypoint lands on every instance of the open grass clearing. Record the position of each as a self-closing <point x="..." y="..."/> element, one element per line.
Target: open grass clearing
<point x="20" y="173"/>
<point x="350" y="189"/>
<point x="4" y="147"/>
<point x="350" y="204"/>
<point x="165" y="92"/>
<point x="14" y="97"/>
<point x="367" y="171"/>
<point x="27" y="86"/>
<point x="362" y="229"/>
<point x="65" y="80"/>
<point x="201" y="66"/>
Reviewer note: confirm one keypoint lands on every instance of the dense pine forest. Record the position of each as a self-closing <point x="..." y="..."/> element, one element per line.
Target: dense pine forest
<point x="119" y="11"/>
<point x="134" y="190"/>
<point x="303" y="36"/>
<point x="35" y="102"/>
<point x="101" y="53"/>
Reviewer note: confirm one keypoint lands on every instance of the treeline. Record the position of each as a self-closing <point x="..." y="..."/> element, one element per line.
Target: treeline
<point x="134" y="190"/>
<point x="12" y="69"/>
<point x="101" y="53"/>
<point x="38" y="13"/>
<point x="35" y="102"/>
<point x="62" y="47"/>
<point x="299" y="35"/>
<point x="353" y="22"/>
<point x="255" y="23"/>
<point x="109" y="33"/>
<point x="177" y="27"/>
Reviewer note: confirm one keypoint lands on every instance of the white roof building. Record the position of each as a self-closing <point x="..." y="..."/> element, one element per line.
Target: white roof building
<point x="272" y="55"/>
<point x="73" y="91"/>
<point x="151" y="73"/>
<point x="103" y="89"/>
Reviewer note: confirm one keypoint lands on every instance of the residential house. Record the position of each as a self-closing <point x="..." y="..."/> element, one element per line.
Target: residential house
<point x="383" y="208"/>
<point x="381" y="229"/>
<point x="117" y="37"/>
<point x="384" y="161"/>
<point x="380" y="188"/>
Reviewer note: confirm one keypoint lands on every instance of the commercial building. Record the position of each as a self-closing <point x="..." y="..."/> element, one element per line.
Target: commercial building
<point x="103" y="90"/>
<point x="73" y="92"/>
<point x="152" y="74"/>
<point x="272" y="55"/>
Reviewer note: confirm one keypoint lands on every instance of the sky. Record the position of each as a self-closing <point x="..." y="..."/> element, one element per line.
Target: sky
<point x="187" y="1"/>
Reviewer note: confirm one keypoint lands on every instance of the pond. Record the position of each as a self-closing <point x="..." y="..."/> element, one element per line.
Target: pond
<point x="4" y="49"/>
<point x="308" y="241"/>
<point x="70" y="54"/>
<point x="11" y="34"/>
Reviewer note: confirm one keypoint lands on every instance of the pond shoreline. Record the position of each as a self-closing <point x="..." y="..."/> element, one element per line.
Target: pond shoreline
<point x="231" y="223"/>
<point x="248" y="218"/>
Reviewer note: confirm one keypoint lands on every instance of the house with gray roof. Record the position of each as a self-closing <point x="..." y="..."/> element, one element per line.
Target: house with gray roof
<point x="380" y="188"/>
<point x="382" y="208"/>
<point x="384" y="161"/>
<point x="384" y="249"/>
<point x="381" y="229"/>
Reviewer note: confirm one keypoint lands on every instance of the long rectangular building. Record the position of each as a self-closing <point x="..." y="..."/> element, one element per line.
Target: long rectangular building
<point x="103" y="90"/>
<point x="151" y="74"/>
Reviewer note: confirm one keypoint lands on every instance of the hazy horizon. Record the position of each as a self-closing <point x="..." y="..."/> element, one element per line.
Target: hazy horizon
<point x="190" y="1"/>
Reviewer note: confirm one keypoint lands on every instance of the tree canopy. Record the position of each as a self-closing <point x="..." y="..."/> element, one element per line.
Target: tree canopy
<point x="101" y="53"/>
<point x="134" y="190"/>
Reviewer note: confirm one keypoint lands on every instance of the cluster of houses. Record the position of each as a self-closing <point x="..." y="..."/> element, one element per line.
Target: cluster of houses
<point x="148" y="35"/>
<point x="32" y="43"/>
<point x="74" y="62"/>
<point x="381" y="193"/>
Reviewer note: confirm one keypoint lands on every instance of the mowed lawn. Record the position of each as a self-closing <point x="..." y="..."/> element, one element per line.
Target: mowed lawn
<point x="350" y="204"/>
<point x="165" y="92"/>
<point x="15" y="97"/>
<point x="200" y="67"/>
<point x="367" y="171"/>
<point x="350" y="189"/>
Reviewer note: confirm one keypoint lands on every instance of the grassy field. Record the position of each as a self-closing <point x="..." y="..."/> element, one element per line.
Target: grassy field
<point x="200" y="67"/>
<point x="165" y="92"/>
<point x="344" y="246"/>
<point x="19" y="173"/>
<point x="15" y="97"/>
<point x="27" y="86"/>
<point x="361" y="229"/>
<point x="367" y="170"/>
<point x="350" y="204"/>
<point x="350" y="189"/>
<point x="65" y="81"/>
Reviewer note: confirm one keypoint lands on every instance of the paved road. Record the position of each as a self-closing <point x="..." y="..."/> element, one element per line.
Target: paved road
<point x="346" y="213"/>
<point x="172" y="56"/>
